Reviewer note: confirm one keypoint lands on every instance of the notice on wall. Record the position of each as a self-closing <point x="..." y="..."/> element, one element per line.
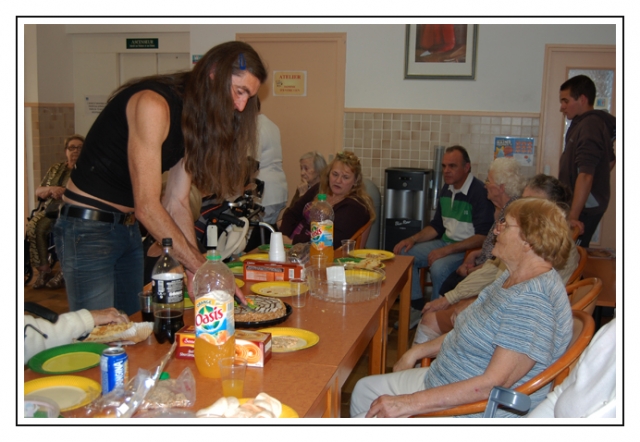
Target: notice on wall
<point x="290" y="83"/>
<point x="521" y="149"/>
<point x="93" y="104"/>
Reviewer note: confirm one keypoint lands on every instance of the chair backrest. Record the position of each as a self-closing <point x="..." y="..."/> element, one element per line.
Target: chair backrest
<point x="584" y="294"/>
<point x="583" y="330"/>
<point x="362" y="234"/>
<point x="577" y="273"/>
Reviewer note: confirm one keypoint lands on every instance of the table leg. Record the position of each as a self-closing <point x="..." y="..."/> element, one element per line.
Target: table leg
<point x="378" y="344"/>
<point x="403" y="321"/>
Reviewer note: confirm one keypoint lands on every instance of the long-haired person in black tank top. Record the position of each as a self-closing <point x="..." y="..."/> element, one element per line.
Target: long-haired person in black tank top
<point x="200" y="126"/>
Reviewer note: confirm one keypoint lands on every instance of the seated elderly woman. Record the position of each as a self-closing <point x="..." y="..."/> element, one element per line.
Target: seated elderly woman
<point x="519" y="326"/>
<point x="504" y="185"/>
<point x="39" y="226"/>
<point x="438" y="315"/>
<point x="342" y="182"/>
<point x="311" y="166"/>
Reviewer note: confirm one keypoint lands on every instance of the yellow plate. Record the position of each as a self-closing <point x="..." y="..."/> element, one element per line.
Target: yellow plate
<point x="362" y="276"/>
<point x="287" y="411"/>
<point x="256" y="256"/>
<point x="239" y="283"/>
<point x="274" y="289"/>
<point x="372" y="253"/>
<point x="69" y="392"/>
<point x="300" y="339"/>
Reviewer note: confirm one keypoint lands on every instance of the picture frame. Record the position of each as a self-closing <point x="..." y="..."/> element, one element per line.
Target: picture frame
<point x="440" y="52"/>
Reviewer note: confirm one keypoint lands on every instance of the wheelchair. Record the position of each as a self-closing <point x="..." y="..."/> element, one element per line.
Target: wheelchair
<point x="52" y="257"/>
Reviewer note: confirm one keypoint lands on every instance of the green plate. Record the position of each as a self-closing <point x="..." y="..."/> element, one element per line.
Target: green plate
<point x="237" y="267"/>
<point x="69" y="358"/>
<point x="266" y="247"/>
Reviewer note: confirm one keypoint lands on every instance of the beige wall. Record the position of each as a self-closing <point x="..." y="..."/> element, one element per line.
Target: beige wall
<point x="406" y="139"/>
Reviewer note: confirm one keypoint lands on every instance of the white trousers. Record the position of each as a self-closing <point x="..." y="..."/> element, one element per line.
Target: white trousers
<point x="370" y="388"/>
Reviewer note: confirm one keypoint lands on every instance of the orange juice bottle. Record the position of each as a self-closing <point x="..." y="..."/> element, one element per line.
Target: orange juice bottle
<point x="321" y="214"/>
<point x="214" y="287"/>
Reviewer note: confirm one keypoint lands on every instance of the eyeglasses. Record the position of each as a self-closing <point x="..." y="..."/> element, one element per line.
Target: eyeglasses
<point x="74" y="148"/>
<point x="502" y="224"/>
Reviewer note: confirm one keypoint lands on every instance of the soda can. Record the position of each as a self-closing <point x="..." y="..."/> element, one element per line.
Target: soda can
<point x="114" y="367"/>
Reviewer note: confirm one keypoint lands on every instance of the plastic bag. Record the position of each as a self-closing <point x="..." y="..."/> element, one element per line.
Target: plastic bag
<point x="122" y="402"/>
<point x="172" y="393"/>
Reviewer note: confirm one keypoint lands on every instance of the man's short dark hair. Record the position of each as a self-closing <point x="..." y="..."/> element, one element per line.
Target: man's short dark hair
<point x="580" y="85"/>
<point x="462" y="150"/>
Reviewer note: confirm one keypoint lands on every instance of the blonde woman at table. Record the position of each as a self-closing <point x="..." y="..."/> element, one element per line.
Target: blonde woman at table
<point x="343" y="184"/>
<point x="519" y="326"/>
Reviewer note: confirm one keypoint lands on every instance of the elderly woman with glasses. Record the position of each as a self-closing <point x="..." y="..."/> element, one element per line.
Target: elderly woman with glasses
<point x="39" y="226"/>
<point x="343" y="184"/>
<point x="519" y="326"/>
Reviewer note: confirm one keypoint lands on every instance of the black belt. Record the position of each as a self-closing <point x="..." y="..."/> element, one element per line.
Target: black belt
<point x="128" y="219"/>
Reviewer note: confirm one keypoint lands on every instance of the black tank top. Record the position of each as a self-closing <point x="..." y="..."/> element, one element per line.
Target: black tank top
<point x="102" y="169"/>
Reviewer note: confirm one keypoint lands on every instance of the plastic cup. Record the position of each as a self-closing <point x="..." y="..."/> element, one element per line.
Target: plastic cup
<point x="232" y="371"/>
<point x="318" y="261"/>
<point x="299" y="289"/>
<point x="348" y="246"/>
<point x="146" y="306"/>
<point x="276" y="248"/>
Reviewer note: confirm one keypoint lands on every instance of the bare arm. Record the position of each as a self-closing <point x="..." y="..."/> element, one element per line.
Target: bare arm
<point x="149" y="119"/>
<point x="427" y="349"/>
<point x="505" y="368"/>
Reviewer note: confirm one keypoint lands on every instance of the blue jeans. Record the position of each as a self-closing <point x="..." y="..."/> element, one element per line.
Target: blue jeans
<point x="440" y="269"/>
<point x="102" y="263"/>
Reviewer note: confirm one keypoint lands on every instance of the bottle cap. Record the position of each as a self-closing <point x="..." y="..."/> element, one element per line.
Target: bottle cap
<point x="164" y="376"/>
<point x="212" y="257"/>
<point x="322" y="197"/>
<point x="167" y="242"/>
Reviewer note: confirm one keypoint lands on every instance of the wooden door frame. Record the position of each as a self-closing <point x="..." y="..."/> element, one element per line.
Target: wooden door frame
<point x="340" y="40"/>
<point x="545" y="118"/>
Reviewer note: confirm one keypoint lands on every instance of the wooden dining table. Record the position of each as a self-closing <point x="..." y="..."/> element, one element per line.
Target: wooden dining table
<point x="310" y="380"/>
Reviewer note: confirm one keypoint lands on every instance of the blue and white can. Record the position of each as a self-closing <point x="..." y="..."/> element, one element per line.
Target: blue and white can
<point x="114" y="366"/>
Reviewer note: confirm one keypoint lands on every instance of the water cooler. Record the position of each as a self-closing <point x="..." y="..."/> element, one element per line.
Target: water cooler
<point x="408" y="203"/>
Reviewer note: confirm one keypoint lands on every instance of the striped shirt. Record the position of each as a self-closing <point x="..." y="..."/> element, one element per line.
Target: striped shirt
<point x="533" y="318"/>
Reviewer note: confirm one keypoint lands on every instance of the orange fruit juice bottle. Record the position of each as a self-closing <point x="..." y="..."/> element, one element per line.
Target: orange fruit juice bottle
<point x="215" y="328"/>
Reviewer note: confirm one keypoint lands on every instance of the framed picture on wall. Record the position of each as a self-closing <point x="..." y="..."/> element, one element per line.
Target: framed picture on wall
<point x="437" y="51"/>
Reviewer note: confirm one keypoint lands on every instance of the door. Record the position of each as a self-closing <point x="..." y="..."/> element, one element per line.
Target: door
<point x="561" y="63"/>
<point x="313" y="120"/>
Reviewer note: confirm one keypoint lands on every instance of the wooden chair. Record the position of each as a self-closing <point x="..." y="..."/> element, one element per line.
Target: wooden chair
<point x="362" y="234"/>
<point x="583" y="330"/>
<point x="577" y="273"/>
<point x="584" y="294"/>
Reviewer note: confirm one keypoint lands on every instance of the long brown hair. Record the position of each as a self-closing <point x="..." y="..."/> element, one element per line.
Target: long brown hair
<point x="358" y="191"/>
<point x="217" y="138"/>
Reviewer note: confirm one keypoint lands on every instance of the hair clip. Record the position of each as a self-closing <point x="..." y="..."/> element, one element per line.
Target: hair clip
<point x="242" y="62"/>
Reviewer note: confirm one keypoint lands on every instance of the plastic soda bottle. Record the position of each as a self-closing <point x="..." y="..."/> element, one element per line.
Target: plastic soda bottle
<point x="167" y="281"/>
<point x="214" y="287"/>
<point x="321" y="214"/>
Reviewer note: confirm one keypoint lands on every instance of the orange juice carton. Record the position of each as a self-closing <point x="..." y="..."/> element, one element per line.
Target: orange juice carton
<point x="253" y="346"/>
<point x="257" y="270"/>
<point x="186" y="338"/>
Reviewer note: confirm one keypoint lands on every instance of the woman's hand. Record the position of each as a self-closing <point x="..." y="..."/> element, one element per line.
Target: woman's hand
<point x="107" y="316"/>
<point x="391" y="406"/>
<point x="303" y="187"/>
<point x="407" y="361"/>
<point x="56" y="192"/>
<point x="436" y="305"/>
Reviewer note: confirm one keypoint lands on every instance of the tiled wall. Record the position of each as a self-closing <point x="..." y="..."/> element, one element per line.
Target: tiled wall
<point x="51" y="124"/>
<point x="383" y="140"/>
